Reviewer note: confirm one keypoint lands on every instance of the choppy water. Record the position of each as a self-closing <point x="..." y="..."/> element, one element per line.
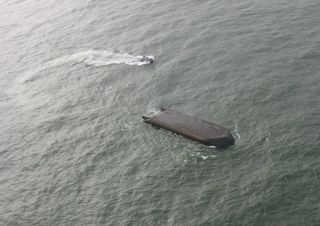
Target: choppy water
<point x="73" y="147"/>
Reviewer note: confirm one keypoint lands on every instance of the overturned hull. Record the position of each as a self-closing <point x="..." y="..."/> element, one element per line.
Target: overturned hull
<point x="196" y="129"/>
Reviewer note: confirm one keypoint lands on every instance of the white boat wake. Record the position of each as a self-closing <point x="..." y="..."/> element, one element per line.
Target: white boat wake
<point x="93" y="58"/>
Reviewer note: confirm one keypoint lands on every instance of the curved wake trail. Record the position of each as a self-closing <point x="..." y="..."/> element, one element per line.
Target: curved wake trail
<point x="90" y="58"/>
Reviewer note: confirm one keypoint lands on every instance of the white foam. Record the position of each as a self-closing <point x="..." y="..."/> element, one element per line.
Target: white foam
<point x="204" y="157"/>
<point x="94" y="58"/>
<point x="153" y="107"/>
<point x="236" y="133"/>
<point x="152" y="111"/>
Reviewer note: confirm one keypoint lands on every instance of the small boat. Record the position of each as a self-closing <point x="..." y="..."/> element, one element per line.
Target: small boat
<point x="194" y="128"/>
<point x="148" y="59"/>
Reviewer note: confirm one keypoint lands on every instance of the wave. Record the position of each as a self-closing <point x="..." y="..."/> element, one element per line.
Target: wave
<point x="94" y="58"/>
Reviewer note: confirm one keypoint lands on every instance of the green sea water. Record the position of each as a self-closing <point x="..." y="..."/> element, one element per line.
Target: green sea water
<point x="74" y="149"/>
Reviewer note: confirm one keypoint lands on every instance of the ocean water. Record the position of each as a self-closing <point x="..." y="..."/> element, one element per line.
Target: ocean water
<point x="74" y="149"/>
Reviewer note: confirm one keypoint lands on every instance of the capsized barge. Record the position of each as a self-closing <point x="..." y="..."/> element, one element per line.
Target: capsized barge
<point x="194" y="128"/>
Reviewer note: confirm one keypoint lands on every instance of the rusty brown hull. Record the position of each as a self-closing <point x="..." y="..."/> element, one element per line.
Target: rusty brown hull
<point x="194" y="128"/>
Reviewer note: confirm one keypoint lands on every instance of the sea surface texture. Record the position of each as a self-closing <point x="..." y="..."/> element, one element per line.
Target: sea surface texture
<point x="75" y="151"/>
